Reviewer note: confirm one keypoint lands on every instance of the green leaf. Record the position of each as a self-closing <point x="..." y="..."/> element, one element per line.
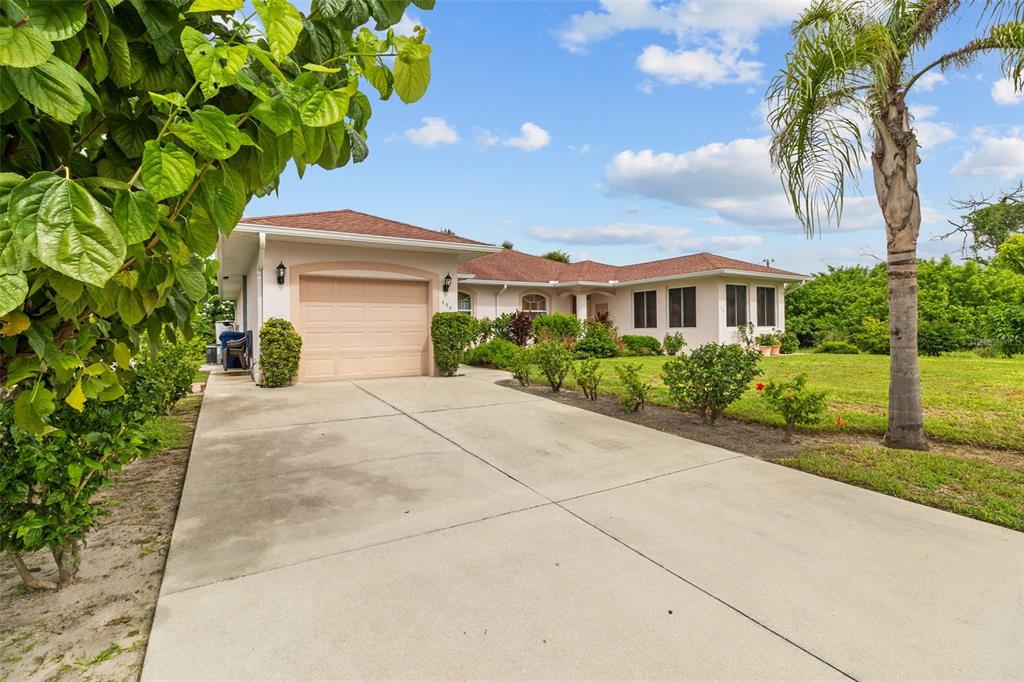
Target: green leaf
<point x="212" y="133"/>
<point x="324" y="107"/>
<point x="282" y="23"/>
<point x="129" y="307"/>
<point x="357" y="145"/>
<point x="214" y="66"/>
<point x="121" y="71"/>
<point x="136" y="214"/>
<point x="77" y="236"/>
<point x="130" y="134"/>
<point x="224" y="199"/>
<point x="412" y="73"/>
<point x="193" y="282"/>
<point x="23" y="46"/>
<point x="200" y="232"/>
<point x="56" y="20"/>
<point x="31" y="407"/>
<point x="320" y="68"/>
<point x="76" y="398"/>
<point x="215" y="6"/>
<point x="24" y="206"/>
<point x="380" y="77"/>
<point x="75" y="469"/>
<point x="13" y="291"/>
<point x="167" y="170"/>
<point x="277" y="114"/>
<point x="97" y="55"/>
<point x="52" y="87"/>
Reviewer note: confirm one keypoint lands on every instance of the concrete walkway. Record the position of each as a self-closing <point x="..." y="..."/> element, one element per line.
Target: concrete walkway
<point x="449" y="528"/>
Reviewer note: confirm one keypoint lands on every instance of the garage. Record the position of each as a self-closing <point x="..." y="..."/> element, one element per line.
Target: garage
<point x="360" y="328"/>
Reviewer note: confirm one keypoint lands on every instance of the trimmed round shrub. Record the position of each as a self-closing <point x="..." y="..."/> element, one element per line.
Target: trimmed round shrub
<point x="280" y="350"/>
<point x="838" y="348"/>
<point x="556" y="327"/>
<point x="598" y="341"/>
<point x="495" y="353"/>
<point x="451" y="333"/>
<point x="673" y="343"/>
<point x="790" y="343"/>
<point x="710" y="378"/>
<point x="641" y="345"/>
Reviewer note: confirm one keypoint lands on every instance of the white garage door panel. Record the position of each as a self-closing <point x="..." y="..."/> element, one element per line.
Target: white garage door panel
<point x="362" y="328"/>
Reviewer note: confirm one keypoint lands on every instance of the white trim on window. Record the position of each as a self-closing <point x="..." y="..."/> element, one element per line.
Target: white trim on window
<point x="533" y="311"/>
<point x="458" y="303"/>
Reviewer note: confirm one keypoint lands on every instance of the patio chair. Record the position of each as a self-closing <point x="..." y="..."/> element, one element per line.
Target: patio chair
<point x="238" y="348"/>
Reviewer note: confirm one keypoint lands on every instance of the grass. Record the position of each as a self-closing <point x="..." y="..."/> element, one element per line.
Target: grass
<point x="967" y="399"/>
<point x="175" y="430"/>
<point x="968" y="487"/>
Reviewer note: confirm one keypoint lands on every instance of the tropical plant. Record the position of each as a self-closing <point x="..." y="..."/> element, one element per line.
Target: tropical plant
<point x="767" y="339"/>
<point x="673" y="343"/>
<point x="556" y="327"/>
<point x="849" y="73"/>
<point x="559" y="256"/>
<point x="587" y="374"/>
<point x="554" y="361"/>
<point x="710" y="378"/>
<point x="598" y="341"/>
<point x="519" y="327"/>
<point x="634" y="389"/>
<point x="162" y="377"/>
<point x="451" y="334"/>
<point x="280" y="351"/>
<point x="794" y="402"/>
<point x="789" y="343"/>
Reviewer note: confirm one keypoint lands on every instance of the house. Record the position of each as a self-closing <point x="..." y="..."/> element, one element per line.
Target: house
<point x="361" y="290"/>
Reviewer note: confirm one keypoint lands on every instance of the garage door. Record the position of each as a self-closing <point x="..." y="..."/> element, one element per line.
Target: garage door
<point x="357" y="328"/>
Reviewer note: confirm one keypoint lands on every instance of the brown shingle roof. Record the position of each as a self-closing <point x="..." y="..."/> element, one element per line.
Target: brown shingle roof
<point x="354" y="222"/>
<point x="509" y="265"/>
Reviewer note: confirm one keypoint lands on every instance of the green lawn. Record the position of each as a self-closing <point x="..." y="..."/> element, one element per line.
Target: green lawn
<point x="967" y="399"/>
<point x="969" y="487"/>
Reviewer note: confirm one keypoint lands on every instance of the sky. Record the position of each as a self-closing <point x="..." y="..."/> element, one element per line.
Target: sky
<point x="632" y="131"/>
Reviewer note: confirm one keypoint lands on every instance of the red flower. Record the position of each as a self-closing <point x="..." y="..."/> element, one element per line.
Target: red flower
<point x="839" y="421"/>
<point x="759" y="387"/>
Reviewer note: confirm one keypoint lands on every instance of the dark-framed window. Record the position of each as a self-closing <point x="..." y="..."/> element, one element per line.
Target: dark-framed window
<point x="735" y="305"/>
<point x="645" y="309"/>
<point x="766" y="306"/>
<point x="682" y="307"/>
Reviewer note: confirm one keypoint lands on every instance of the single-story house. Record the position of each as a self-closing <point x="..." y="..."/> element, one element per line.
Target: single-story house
<point x="361" y="290"/>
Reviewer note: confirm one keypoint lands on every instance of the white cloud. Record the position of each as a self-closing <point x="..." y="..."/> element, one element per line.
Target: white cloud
<point x="927" y="82"/>
<point x="486" y="138"/>
<point x="700" y="66"/>
<point x="933" y="133"/>
<point x="582" y="149"/>
<point x="734" y="179"/>
<point x="434" y="131"/>
<point x="646" y="87"/>
<point x="665" y="237"/>
<point x="1001" y="157"/>
<point x="1004" y="94"/>
<point x="531" y="138"/>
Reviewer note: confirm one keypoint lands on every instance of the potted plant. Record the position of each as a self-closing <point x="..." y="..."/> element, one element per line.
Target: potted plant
<point x="764" y="343"/>
<point x="776" y="342"/>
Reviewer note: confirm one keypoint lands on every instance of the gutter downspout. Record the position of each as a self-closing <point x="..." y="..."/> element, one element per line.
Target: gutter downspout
<point x="256" y="374"/>
<point x="498" y="293"/>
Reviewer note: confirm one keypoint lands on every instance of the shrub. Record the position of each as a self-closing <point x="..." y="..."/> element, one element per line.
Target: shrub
<point x="838" y="348"/>
<point x="936" y="337"/>
<point x="873" y="336"/>
<point x="765" y="340"/>
<point x="484" y="330"/>
<point x="794" y="402"/>
<point x="790" y="343"/>
<point x="641" y="345"/>
<point x="673" y="343"/>
<point x="499" y="327"/>
<point x="598" y="341"/>
<point x="521" y="364"/>
<point x="710" y="378"/>
<point x="556" y="327"/>
<point x="635" y="388"/>
<point x="451" y="333"/>
<point x="1006" y="329"/>
<point x="520" y="327"/>
<point x="554" y="361"/>
<point x="588" y="375"/>
<point x="162" y="377"/>
<point x="496" y="353"/>
<point x="280" y="349"/>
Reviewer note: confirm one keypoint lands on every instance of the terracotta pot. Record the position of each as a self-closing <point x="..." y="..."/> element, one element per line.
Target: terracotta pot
<point x="765" y="350"/>
<point x="776" y="350"/>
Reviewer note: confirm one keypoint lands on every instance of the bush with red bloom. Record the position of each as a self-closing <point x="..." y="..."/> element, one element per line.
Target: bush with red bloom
<point x="759" y="387"/>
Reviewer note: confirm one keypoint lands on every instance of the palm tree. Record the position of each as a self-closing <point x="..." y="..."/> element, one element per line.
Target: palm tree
<point x="846" y="77"/>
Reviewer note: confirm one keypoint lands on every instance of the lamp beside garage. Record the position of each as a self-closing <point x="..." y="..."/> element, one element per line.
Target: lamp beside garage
<point x="447" y="283"/>
<point x="281" y="270"/>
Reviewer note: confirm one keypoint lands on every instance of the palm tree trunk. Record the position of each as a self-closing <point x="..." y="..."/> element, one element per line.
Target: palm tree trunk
<point x="894" y="164"/>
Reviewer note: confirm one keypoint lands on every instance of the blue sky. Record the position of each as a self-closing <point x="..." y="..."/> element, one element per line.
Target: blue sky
<point x="633" y="131"/>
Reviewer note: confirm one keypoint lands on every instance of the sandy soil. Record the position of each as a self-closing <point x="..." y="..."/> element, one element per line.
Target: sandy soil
<point x="750" y="438"/>
<point x="97" y="629"/>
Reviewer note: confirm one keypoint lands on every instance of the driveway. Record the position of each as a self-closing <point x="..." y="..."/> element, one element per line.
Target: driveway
<point x="427" y="528"/>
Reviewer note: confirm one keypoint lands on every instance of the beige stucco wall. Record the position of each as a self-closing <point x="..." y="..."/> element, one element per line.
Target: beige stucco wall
<point x="711" y="318"/>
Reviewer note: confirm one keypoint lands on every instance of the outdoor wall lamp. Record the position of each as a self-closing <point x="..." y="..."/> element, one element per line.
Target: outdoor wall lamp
<point x="281" y="269"/>
<point x="447" y="283"/>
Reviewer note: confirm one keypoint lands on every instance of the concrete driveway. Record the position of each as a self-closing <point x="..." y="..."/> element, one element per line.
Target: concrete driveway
<point x="449" y="528"/>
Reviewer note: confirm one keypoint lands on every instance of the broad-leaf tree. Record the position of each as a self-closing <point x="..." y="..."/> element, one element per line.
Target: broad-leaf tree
<point x="132" y="135"/>
<point x="847" y="78"/>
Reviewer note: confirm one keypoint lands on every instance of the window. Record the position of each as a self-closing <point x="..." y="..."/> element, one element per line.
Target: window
<point x="535" y="304"/>
<point x="682" y="307"/>
<point x="645" y="309"/>
<point x="735" y="305"/>
<point x="572" y="305"/>
<point x="465" y="302"/>
<point x="766" y="306"/>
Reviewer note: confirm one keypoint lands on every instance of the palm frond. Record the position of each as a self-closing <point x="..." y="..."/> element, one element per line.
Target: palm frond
<point x="843" y="59"/>
<point x="1007" y="38"/>
<point x="924" y="19"/>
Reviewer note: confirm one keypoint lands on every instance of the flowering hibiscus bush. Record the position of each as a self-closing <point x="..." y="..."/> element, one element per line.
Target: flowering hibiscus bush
<point x="794" y="402"/>
<point x="710" y="378"/>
